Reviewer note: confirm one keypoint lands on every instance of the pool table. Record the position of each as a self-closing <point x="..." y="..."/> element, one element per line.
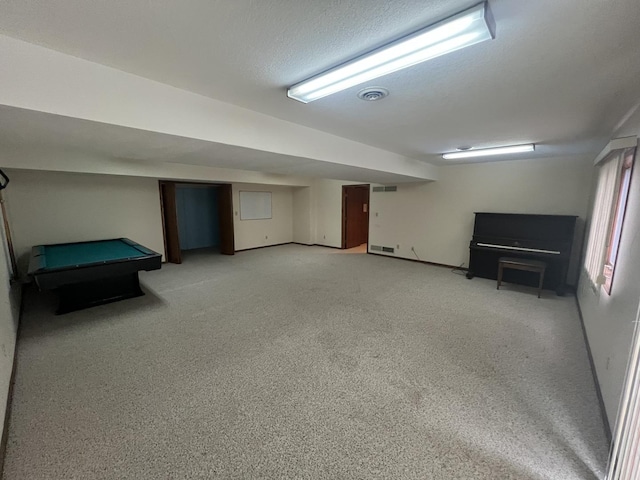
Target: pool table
<point x="85" y="274"/>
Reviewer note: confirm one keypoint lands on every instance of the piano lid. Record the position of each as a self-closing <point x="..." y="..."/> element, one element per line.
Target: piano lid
<point x="533" y="229"/>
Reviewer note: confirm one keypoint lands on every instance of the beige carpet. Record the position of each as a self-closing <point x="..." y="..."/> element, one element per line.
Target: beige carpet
<point x="295" y="362"/>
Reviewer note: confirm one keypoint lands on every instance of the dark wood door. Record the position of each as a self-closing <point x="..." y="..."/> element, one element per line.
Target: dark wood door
<point x="355" y="215"/>
<point x="170" y="222"/>
<point x="225" y="214"/>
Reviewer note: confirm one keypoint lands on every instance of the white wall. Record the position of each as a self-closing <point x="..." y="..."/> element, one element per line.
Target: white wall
<point x="303" y="215"/>
<point x="437" y="217"/>
<point x="260" y="233"/>
<point x="9" y="311"/>
<point x="327" y="204"/>
<point x="609" y="319"/>
<point x="53" y="207"/>
<point x="49" y="81"/>
<point x="76" y="162"/>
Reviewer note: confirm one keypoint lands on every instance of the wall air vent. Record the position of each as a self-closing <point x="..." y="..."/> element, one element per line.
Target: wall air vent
<point x="378" y="189"/>
<point x="392" y="188"/>
<point x="378" y="248"/>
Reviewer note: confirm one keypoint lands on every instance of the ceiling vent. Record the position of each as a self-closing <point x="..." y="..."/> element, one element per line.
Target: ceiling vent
<point x="372" y="94"/>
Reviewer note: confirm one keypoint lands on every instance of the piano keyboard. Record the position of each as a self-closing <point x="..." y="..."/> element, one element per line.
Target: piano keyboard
<point x="518" y="249"/>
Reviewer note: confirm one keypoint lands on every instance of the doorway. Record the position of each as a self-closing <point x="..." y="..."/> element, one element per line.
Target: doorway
<point x="196" y="215"/>
<point x="355" y="216"/>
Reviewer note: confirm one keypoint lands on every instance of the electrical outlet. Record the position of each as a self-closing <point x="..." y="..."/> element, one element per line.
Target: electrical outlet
<point x="324" y="237"/>
<point x="608" y="362"/>
<point x="397" y="247"/>
<point x="413" y="249"/>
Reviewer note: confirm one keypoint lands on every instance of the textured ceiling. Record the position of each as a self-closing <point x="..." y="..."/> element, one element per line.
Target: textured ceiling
<point x="561" y="73"/>
<point x="27" y="130"/>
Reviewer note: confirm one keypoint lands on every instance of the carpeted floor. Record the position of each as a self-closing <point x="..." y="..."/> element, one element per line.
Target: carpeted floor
<point x="299" y="362"/>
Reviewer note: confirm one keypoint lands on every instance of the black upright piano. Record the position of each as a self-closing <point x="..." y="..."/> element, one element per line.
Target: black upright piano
<point x="541" y="237"/>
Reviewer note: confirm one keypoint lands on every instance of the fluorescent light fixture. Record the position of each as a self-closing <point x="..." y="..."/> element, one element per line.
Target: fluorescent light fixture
<point x="486" y="152"/>
<point x="469" y="27"/>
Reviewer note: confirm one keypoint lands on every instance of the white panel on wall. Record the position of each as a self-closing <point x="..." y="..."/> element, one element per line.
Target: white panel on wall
<point x="255" y="205"/>
<point x="273" y="231"/>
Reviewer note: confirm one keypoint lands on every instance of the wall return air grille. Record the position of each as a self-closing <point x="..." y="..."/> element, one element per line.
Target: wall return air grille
<point x="379" y="248"/>
<point x="391" y="188"/>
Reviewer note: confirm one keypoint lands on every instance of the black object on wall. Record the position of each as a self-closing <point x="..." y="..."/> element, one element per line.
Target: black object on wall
<point x="4" y="180"/>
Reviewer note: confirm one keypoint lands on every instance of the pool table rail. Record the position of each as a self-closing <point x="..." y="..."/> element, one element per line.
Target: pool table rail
<point x="92" y="283"/>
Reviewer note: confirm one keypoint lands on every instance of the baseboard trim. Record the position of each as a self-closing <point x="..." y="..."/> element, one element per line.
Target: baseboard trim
<point x="12" y="380"/>
<point x="327" y="246"/>
<point x="570" y="288"/>
<point x="264" y="246"/>
<point x="317" y="245"/>
<point x="289" y="243"/>
<point x="603" y="410"/>
<point x="443" y="265"/>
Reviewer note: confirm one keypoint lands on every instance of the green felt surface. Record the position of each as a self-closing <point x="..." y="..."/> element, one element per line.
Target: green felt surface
<point x="57" y="256"/>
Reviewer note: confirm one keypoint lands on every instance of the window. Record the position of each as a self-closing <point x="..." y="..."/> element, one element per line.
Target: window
<point x="612" y="191"/>
<point x="618" y="218"/>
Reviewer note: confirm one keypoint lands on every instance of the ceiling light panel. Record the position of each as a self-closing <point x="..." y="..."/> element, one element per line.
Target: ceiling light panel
<point x="487" y="152"/>
<point x="467" y="28"/>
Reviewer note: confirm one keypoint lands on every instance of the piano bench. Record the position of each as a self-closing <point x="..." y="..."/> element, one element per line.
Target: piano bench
<point x="522" y="264"/>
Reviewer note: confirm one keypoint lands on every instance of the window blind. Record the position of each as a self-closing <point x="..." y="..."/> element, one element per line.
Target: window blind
<point x="602" y="216"/>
